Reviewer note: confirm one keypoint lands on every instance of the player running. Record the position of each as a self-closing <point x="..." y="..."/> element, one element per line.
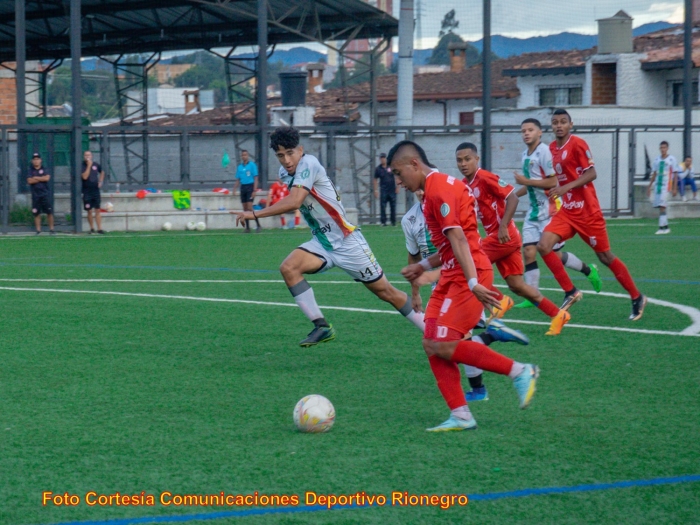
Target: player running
<point x="663" y="181"/>
<point x="580" y="212"/>
<point x="458" y="301"/>
<point x="496" y="205"/>
<point x="538" y="177"/>
<point x="335" y="242"/>
<point x="420" y="247"/>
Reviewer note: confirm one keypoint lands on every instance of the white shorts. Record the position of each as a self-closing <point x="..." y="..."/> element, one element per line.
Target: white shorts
<point x="659" y="200"/>
<point x="532" y="233"/>
<point x="354" y="256"/>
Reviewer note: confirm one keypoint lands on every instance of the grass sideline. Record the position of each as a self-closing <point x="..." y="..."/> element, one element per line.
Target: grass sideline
<point x="126" y="394"/>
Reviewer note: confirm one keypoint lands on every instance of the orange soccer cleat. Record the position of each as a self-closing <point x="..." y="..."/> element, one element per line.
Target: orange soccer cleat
<point x="558" y="322"/>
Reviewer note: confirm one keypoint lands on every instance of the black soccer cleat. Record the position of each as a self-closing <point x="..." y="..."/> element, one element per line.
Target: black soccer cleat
<point x="320" y="334"/>
<point x="572" y="297"/>
<point x="638" y="305"/>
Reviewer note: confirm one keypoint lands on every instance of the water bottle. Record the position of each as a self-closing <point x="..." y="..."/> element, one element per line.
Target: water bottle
<point x="117" y="187"/>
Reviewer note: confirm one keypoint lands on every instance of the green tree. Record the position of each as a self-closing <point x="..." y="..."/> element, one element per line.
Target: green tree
<point x="448" y="23"/>
<point x="441" y="55"/>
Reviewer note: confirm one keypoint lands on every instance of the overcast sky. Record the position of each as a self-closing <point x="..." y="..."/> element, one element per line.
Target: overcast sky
<point x="523" y="18"/>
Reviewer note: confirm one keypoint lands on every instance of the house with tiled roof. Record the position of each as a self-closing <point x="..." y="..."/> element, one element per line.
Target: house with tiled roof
<point x="643" y="72"/>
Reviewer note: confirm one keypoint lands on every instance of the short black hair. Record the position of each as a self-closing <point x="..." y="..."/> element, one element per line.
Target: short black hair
<point x="561" y="111"/>
<point x="468" y="145"/>
<point x="396" y="147"/>
<point x="285" y="136"/>
<point x="532" y="121"/>
<point x="688" y="157"/>
<point x="663" y="143"/>
<point x="244" y="151"/>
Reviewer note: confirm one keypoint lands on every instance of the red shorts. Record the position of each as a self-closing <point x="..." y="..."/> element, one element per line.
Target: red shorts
<point x="453" y="310"/>
<point x="506" y="257"/>
<point x="593" y="231"/>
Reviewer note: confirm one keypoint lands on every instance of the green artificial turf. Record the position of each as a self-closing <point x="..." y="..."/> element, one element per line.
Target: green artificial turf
<point x="124" y="393"/>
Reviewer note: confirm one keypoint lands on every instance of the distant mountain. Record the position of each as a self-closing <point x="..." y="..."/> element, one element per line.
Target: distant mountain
<point x="505" y="47"/>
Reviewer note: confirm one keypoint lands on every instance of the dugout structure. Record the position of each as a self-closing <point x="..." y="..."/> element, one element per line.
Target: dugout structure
<point x="55" y="30"/>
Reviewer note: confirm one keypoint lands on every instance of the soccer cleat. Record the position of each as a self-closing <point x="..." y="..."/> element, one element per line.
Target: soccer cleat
<point x="594" y="278"/>
<point x="454" y="423"/>
<point x="558" y="322"/>
<point x="660" y="231"/>
<point x="524" y="304"/>
<point x="525" y="383"/>
<point x="667" y="230"/>
<point x="638" y="305"/>
<point x="498" y="313"/>
<point x="504" y="334"/>
<point x="320" y="334"/>
<point x="571" y="298"/>
<point x="477" y="394"/>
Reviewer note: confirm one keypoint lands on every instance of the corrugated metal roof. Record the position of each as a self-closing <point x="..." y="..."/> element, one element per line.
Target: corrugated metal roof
<point x="112" y="27"/>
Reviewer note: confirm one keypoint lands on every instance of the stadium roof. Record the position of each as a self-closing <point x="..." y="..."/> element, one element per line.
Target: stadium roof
<point x="111" y="27"/>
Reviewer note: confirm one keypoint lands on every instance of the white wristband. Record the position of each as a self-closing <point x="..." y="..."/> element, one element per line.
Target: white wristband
<point x="425" y="264"/>
<point x="472" y="282"/>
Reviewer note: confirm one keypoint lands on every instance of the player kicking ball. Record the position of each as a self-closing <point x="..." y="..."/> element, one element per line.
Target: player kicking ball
<point x="496" y="205"/>
<point x="420" y="247"/>
<point x="335" y="242"/>
<point x="580" y="212"/>
<point x="537" y="179"/>
<point x="458" y="300"/>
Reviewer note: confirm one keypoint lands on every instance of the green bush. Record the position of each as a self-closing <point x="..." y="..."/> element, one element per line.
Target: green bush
<point x="21" y="214"/>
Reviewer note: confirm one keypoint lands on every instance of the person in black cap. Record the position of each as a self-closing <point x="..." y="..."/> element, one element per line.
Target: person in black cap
<point x="384" y="178"/>
<point x="93" y="176"/>
<point x="42" y="201"/>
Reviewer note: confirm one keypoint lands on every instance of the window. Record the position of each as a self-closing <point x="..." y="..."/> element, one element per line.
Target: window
<point x="677" y="94"/>
<point x="466" y="118"/>
<point x="561" y="96"/>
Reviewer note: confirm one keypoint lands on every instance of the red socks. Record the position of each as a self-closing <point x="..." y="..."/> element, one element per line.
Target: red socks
<point x="481" y="356"/>
<point x="557" y="268"/>
<point x="623" y="276"/>
<point x="548" y="307"/>
<point x="448" y="381"/>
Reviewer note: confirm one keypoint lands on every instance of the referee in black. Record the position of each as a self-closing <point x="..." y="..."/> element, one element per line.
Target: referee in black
<point x="93" y="176"/>
<point x="42" y="200"/>
<point x="387" y="184"/>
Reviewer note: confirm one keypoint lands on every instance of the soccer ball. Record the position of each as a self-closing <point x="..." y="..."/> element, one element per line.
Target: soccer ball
<point x="201" y="226"/>
<point x="191" y="225"/>
<point x="167" y="226"/>
<point x="109" y="207"/>
<point x="314" y="414"/>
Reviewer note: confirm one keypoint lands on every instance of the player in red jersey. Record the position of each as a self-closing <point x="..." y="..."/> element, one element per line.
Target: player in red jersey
<point x="458" y="301"/>
<point x="496" y="204"/>
<point x="278" y="191"/>
<point x="580" y="213"/>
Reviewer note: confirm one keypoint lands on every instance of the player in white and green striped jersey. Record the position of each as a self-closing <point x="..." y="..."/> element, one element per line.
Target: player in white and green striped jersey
<point x="663" y="180"/>
<point x="538" y="177"/>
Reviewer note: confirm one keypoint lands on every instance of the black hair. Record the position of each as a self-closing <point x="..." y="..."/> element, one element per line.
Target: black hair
<point x="244" y="151"/>
<point x="532" y="121"/>
<point x="285" y="136"/>
<point x="396" y="147"/>
<point x="663" y="143"/>
<point x="561" y="111"/>
<point x="467" y="145"/>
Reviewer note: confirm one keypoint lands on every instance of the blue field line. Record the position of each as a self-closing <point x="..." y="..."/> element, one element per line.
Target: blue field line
<point x="249" y="270"/>
<point x="316" y="508"/>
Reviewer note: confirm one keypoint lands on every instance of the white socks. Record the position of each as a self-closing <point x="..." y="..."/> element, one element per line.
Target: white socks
<point x="417" y="318"/>
<point x="462" y="412"/>
<point x="304" y="297"/>
<point x="516" y="370"/>
<point x="663" y="220"/>
<point x="573" y="262"/>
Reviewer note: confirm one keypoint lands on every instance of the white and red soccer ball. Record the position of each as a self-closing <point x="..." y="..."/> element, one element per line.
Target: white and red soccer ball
<point x="313" y="414"/>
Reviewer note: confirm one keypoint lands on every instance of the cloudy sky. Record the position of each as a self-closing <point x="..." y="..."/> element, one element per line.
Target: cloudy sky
<point x="523" y="19"/>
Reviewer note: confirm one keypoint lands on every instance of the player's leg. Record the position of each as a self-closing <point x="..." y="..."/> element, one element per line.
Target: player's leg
<point x="663" y="222"/>
<point x="37" y="222"/>
<point x="382" y="208"/>
<point x="558" y="317"/>
<point x="307" y="259"/>
<point x="532" y="271"/>
<point x="88" y="211"/>
<point x="681" y="188"/>
<point x="693" y="187"/>
<point x="392" y="208"/>
<point x="98" y="220"/>
<point x="49" y="218"/>
<point x="496" y="251"/>
<point x="569" y="260"/>
<point x="623" y="276"/>
<point x="396" y="298"/>
<point x="558" y="230"/>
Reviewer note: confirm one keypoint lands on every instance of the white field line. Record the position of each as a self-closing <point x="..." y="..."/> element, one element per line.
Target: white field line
<point x="692" y="313"/>
<point x="342" y="308"/>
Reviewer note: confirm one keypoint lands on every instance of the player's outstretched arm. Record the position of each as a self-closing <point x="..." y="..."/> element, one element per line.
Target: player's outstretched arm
<point x="291" y="202"/>
<point x="511" y="206"/>
<point x="414" y="271"/>
<point x="460" y="247"/>
<point x="546" y="184"/>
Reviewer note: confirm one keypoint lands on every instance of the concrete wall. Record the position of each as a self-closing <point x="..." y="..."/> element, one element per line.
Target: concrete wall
<point x="530" y="87"/>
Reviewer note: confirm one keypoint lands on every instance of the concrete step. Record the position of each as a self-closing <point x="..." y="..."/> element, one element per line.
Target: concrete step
<point x="676" y="209"/>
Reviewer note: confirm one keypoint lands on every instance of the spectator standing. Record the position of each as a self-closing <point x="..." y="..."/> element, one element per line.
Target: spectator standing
<point x="687" y="178"/>
<point x="385" y="189"/>
<point x="42" y="199"/>
<point x="247" y="182"/>
<point x="93" y="176"/>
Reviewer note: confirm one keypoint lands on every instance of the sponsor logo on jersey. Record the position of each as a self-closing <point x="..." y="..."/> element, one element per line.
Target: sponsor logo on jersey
<point x="326" y="228"/>
<point x="592" y="241"/>
<point x="564" y="154"/>
<point x="450" y="180"/>
<point x="476" y="192"/>
<point x="305" y="174"/>
<point x="412" y="219"/>
<point x="558" y="168"/>
<point x="502" y="183"/>
<point x="444" y="209"/>
<point x="572" y="205"/>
